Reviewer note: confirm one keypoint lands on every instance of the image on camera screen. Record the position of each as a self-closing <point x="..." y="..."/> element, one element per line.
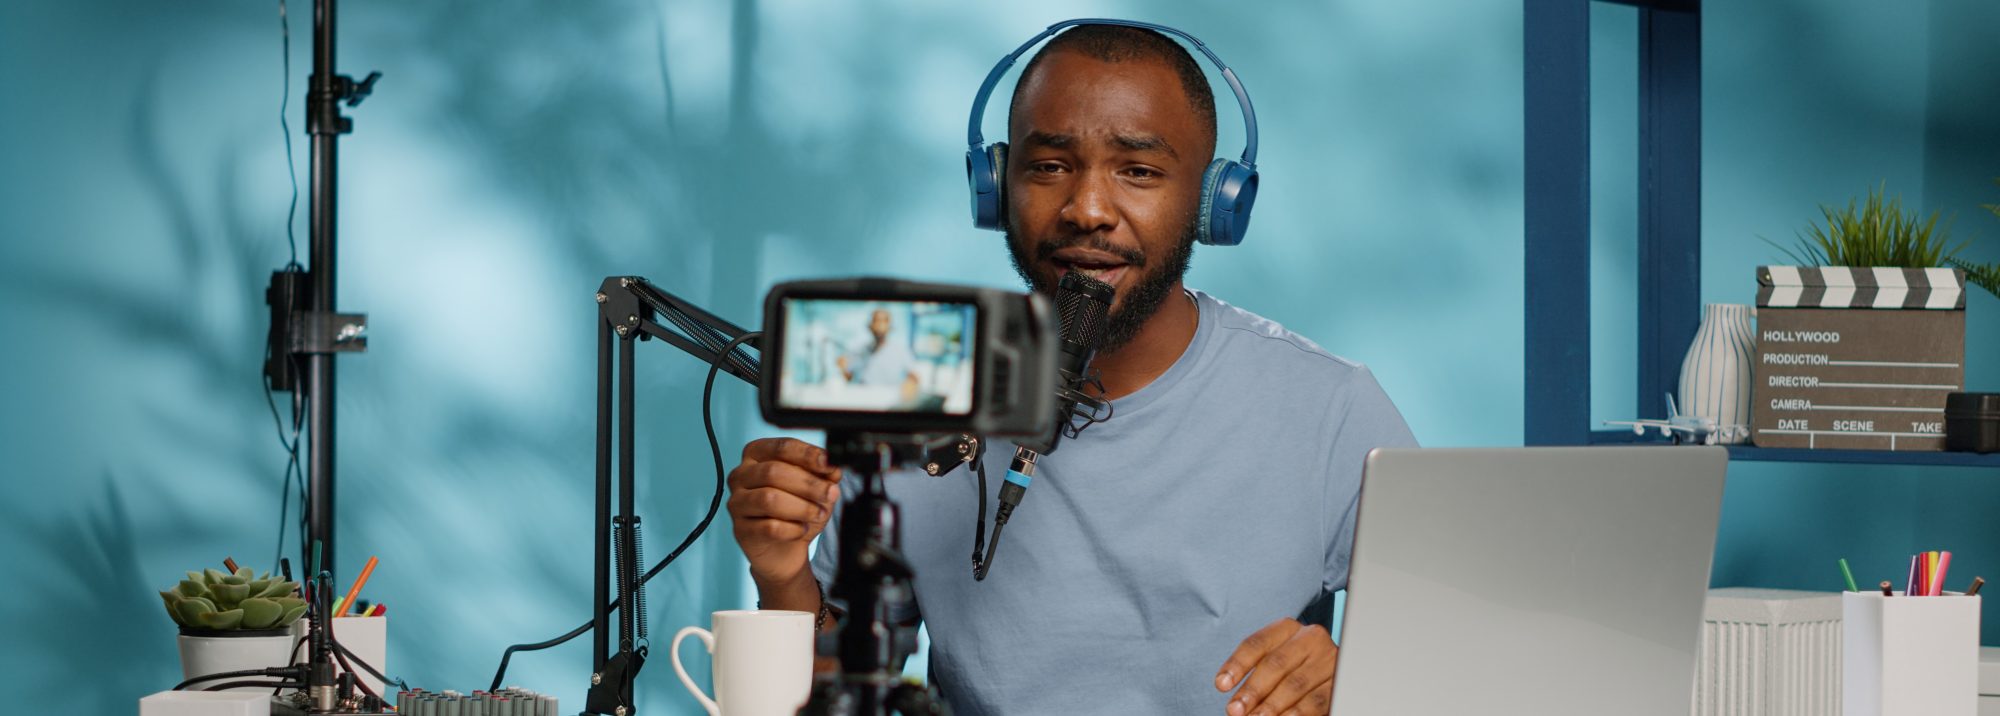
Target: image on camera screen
<point x="878" y="356"/>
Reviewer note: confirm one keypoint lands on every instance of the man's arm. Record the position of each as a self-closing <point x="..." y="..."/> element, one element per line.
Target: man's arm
<point x="780" y="498"/>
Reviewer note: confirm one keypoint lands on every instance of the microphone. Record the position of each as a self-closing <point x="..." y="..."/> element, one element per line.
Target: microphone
<point x="1083" y="304"/>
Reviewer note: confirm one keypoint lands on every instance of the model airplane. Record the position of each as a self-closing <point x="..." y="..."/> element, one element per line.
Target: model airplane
<point x="1688" y="429"/>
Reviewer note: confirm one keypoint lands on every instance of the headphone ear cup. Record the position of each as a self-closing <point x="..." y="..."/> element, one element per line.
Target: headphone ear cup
<point x="984" y="172"/>
<point x="1229" y="189"/>
<point x="1210" y="180"/>
<point x="997" y="156"/>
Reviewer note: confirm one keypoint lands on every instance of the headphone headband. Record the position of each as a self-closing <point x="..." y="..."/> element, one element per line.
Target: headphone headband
<point x="975" y="139"/>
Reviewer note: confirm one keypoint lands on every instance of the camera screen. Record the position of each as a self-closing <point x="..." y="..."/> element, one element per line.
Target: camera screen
<point x="877" y="356"/>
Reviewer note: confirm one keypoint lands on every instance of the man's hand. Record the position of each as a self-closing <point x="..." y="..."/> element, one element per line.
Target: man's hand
<point x="1289" y="667"/>
<point x="779" y="501"/>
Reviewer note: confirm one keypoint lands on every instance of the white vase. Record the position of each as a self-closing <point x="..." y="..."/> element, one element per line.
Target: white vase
<point x="1715" y="376"/>
<point x="234" y="651"/>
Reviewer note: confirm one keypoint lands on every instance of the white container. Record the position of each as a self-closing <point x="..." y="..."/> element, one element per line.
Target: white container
<point x="204" y="655"/>
<point x="206" y="703"/>
<point x="1910" y="656"/>
<point x="1989" y="681"/>
<point x="367" y="637"/>
<point x="1768" y="652"/>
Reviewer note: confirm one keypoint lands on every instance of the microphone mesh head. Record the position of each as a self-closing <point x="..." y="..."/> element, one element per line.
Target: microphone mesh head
<point x="1082" y="303"/>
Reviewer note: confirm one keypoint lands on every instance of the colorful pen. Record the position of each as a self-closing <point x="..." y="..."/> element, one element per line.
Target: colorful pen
<point x="348" y="602"/>
<point x="1848" y="574"/>
<point x="1886" y="591"/>
<point x="1973" y="590"/>
<point x="1937" y="580"/>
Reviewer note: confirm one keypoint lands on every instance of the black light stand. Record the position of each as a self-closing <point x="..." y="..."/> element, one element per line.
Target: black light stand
<point x="630" y="310"/>
<point x="304" y="323"/>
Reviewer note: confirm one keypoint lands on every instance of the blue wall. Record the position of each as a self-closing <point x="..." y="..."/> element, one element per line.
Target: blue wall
<point x="517" y="152"/>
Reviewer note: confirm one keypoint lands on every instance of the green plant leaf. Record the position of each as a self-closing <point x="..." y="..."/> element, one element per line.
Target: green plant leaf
<point x="223" y="620"/>
<point x="173" y="600"/>
<point x="193" y="607"/>
<point x="246" y="573"/>
<point x="1874" y="232"/>
<point x="261" y="613"/>
<point x="289" y="602"/>
<point x="274" y="589"/>
<point x="228" y="596"/>
<point x="292" y="615"/>
<point x="213" y="576"/>
<point x="190" y="588"/>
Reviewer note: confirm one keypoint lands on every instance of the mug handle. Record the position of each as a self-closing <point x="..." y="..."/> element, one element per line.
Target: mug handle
<point x="707" y="639"/>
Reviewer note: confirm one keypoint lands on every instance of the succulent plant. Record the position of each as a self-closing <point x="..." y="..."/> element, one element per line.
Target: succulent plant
<point x="214" y="599"/>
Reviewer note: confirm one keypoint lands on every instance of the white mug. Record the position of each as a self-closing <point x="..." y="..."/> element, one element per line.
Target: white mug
<point x="763" y="662"/>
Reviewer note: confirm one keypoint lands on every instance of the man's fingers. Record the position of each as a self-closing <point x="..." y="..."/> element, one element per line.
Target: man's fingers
<point x="1309" y="654"/>
<point x="789" y="450"/>
<point x="1317" y="703"/>
<point x="771" y="529"/>
<point x="784" y="477"/>
<point x="1251" y="651"/>
<point x="771" y="503"/>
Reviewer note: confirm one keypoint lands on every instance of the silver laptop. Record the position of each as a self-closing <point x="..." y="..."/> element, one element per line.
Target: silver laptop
<point x="1545" y="581"/>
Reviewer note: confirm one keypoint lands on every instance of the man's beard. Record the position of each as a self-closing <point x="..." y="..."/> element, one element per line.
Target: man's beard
<point x="1140" y="303"/>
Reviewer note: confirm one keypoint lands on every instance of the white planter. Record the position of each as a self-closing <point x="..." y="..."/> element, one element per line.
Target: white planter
<point x="233" y="651"/>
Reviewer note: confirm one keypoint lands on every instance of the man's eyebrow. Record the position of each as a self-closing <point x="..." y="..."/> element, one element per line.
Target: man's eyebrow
<point x="1145" y="143"/>
<point x="1049" y="139"/>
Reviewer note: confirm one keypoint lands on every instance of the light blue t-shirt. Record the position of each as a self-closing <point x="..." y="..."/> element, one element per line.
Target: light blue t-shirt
<point x="1215" y="500"/>
<point x="888" y="364"/>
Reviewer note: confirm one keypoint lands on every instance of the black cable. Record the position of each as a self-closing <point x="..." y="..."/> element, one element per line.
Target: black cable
<point x="256" y="685"/>
<point x="714" y="505"/>
<point x="291" y="240"/>
<point x="340" y="655"/>
<point x="979" y="520"/>
<point x="340" y="648"/>
<point x="292" y="661"/>
<point x="285" y="128"/>
<point x="267" y="671"/>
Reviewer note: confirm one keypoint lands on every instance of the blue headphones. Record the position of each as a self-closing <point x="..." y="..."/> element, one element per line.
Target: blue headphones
<point x="1228" y="188"/>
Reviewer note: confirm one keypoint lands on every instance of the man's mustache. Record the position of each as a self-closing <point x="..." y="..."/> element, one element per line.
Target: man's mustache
<point x="1047" y="250"/>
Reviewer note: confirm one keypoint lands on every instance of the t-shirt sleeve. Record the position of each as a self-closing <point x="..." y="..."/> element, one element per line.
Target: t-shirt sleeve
<point x="1360" y="419"/>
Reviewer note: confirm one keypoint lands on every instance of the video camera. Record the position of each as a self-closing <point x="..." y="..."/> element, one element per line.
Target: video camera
<point x="876" y="355"/>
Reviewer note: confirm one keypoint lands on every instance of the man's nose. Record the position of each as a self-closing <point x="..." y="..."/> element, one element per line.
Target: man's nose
<point x="1091" y="208"/>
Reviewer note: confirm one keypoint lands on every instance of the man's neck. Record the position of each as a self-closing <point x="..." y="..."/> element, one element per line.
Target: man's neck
<point x="1149" y="354"/>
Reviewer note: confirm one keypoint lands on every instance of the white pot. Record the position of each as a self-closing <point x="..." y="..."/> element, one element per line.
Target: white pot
<point x="233" y="651"/>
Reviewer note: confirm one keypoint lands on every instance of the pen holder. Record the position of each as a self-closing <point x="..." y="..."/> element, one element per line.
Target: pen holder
<point x="367" y="637"/>
<point x="1909" y="655"/>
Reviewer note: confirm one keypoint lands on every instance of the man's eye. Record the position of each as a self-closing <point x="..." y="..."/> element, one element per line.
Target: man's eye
<point x="1045" y="168"/>
<point x="1142" y="173"/>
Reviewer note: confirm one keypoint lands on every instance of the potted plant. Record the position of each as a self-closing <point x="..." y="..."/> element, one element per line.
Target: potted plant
<point x="1860" y="340"/>
<point x="233" y="622"/>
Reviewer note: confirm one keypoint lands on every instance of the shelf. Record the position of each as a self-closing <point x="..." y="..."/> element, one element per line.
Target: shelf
<point x="1865" y="457"/>
<point x="1749" y="453"/>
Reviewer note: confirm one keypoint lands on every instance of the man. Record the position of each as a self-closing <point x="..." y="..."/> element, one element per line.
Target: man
<point x="1158" y="563"/>
<point x="883" y="361"/>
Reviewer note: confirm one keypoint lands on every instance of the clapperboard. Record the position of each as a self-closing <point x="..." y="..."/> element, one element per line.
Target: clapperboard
<point x="1856" y="358"/>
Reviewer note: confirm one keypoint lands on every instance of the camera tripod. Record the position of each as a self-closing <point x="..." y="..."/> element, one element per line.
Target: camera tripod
<point x="870" y="569"/>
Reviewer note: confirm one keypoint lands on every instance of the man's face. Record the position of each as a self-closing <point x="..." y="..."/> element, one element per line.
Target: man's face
<point x="878" y="324"/>
<point x="1104" y="172"/>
